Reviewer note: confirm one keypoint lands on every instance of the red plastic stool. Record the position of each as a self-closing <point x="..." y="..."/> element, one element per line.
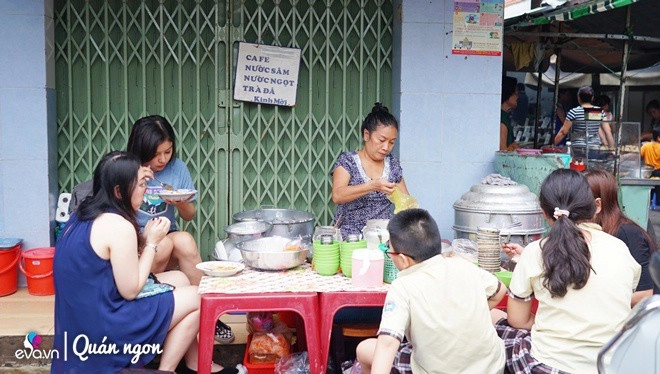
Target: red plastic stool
<point x="502" y="305"/>
<point x="215" y="304"/>
<point x="330" y="303"/>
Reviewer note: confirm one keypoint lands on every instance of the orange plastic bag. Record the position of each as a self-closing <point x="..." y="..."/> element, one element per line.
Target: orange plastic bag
<point x="268" y="348"/>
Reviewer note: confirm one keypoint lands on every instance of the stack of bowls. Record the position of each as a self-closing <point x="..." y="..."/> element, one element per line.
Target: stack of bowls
<point x="346" y="255"/>
<point x="326" y="258"/>
<point x="488" y="247"/>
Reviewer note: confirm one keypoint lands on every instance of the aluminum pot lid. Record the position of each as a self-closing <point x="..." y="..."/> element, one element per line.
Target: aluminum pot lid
<point x="274" y="216"/>
<point x="248" y="227"/>
<point x="508" y="199"/>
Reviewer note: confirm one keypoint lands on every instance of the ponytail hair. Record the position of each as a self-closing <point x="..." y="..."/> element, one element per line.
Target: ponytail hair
<point x="379" y="115"/>
<point x="566" y="198"/>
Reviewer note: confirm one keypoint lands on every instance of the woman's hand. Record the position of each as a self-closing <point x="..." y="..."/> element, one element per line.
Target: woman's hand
<point x="383" y="185"/>
<point x="156" y="229"/>
<point x="512" y="250"/>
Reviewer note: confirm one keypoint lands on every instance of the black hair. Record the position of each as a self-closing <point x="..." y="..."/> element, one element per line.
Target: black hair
<point x="656" y="133"/>
<point x="147" y="134"/>
<point x="653" y="104"/>
<point x="414" y="232"/>
<point x="603" y="100"/>
<point x="379" y="115"/>
<point x="585" y="94"/>
<point x="565" y="252"/>
<point x="508" y="87"/>
<point x="115" y="170"/>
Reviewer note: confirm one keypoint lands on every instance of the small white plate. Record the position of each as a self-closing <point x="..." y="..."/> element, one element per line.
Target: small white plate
<point x="176" y="195"/>
<point x="220" y="268"/>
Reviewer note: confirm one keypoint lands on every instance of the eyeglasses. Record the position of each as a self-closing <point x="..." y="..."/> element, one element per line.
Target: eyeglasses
<point x="389" y="252"/>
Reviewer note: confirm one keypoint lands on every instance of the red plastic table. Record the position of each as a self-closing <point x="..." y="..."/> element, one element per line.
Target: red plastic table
<point x="215" y="304"/>
<point x="330" y="303"/>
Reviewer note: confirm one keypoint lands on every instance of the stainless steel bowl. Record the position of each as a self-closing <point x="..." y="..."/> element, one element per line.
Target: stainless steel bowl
<point x="240" y="231"/>
<point x="268" y="253"/>
<point x="286" y="222"/>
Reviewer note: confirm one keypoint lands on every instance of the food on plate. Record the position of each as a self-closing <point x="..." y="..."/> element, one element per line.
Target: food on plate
<point x="175" y="192"/>
<point x="220" y="268"/>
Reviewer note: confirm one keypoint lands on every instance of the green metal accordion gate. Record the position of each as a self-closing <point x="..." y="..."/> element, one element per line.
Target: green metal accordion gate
<point x="117" y="61"/>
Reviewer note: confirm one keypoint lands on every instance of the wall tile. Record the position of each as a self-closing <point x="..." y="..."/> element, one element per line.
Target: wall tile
<point x="421" y="127"/>
<point x="24" y="121"/>
<point x="430" y="11"/>
<point x="22" y="59"/>
<point x="27" y="203"/>
<point x="422" y="58"/>
<point x="470" y="128"/>
<point x="24" y="7"/>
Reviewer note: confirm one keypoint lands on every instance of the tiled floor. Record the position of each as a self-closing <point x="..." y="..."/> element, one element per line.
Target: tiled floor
<point x="21" y="313"/>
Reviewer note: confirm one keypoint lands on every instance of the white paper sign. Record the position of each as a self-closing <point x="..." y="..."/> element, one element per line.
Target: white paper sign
<point x="267" y="74"/>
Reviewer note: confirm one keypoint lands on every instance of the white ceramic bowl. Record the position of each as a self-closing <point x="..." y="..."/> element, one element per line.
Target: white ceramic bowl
<point x="220" y="268"/>
<point x="176" y="195"/>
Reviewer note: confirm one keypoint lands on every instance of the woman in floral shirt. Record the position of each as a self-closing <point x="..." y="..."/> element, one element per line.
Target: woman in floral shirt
<point x="362" y="180"/>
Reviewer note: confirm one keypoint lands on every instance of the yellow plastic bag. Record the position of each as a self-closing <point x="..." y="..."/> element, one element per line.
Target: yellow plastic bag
<point x="402" y="201"/>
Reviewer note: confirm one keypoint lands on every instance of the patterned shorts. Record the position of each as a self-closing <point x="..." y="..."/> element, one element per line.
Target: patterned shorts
<point x="401" y="364"/>
<point x="518" y="343"/>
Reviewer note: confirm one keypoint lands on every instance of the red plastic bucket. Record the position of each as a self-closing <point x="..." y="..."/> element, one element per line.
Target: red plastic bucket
<point x="9" y="257"/>
<point x="38" y="270"/>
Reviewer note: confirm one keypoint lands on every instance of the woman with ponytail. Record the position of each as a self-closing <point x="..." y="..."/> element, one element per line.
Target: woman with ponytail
<point x="582" y="277"/>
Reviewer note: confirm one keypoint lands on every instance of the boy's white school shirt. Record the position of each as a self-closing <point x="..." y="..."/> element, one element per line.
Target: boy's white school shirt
<point x="441" y="306"/>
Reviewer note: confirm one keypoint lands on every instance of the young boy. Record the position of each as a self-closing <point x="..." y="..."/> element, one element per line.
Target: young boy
<point x="651" y="151"/>
<point x="440" y="304"/>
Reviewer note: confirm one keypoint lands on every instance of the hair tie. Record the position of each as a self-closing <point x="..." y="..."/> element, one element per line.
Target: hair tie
<point x="560" y="212"/>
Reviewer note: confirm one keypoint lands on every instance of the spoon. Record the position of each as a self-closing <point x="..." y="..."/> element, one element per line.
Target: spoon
<point x="166" y="186"/>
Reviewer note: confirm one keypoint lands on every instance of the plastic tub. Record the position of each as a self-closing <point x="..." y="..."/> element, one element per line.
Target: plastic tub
<point x="10" y="253"/>
<point x="38" y="270"/>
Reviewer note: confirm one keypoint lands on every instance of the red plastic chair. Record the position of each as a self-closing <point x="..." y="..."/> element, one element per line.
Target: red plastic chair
<point x="215" y="304"/>
<point x="330" y="303"/>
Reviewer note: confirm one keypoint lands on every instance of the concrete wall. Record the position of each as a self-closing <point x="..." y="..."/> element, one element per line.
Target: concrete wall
<point x="449" y="109"/>
<point x="27" y="122"/>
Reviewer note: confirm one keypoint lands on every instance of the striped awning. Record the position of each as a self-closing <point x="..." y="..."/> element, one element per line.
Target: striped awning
<point x="576" y="11"/>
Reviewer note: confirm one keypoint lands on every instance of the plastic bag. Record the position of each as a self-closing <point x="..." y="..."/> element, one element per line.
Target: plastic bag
<point x="295" y="363"/>
<point x="402" y="201"/>
<point x="466" y="248"/>
<point x="267" y="348"/>
<point x="260" y="321"/>
<point x="268" y="322"/>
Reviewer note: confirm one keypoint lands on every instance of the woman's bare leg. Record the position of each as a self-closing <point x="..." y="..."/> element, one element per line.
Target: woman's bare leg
<point x="181" y="340"/>
<point x="186" y="254"/>
<point x="163" y="255"/>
